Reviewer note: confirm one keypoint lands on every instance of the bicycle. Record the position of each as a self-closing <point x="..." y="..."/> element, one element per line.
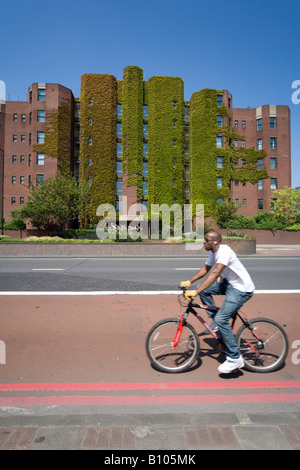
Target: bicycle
<point x="173" y="345"/>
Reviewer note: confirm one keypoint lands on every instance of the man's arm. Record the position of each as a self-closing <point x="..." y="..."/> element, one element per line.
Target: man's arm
<point x="201" y="273"/>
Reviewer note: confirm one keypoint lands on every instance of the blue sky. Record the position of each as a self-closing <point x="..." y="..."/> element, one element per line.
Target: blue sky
<point x="249" y="47"/>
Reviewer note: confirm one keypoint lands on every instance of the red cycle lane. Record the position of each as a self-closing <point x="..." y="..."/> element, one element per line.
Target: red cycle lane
<point x="85" y="350"/>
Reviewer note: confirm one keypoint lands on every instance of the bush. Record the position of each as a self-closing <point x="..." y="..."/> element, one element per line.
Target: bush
<point x="293" y="227"/>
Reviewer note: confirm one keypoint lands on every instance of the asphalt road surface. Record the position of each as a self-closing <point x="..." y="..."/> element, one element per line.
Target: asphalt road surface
<point x="131" y="274"/>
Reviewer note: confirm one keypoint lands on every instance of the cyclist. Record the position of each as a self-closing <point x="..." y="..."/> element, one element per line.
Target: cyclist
<point x="230" y="278"/>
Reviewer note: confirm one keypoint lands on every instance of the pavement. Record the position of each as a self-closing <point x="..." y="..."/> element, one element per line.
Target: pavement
<point x="158" y="431"/>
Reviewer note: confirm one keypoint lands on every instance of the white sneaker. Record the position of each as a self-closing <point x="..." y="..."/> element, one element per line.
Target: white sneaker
<point x="230" y="365"/>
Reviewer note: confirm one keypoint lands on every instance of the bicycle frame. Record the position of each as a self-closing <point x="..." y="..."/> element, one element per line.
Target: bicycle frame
<point x="190" y="309"/>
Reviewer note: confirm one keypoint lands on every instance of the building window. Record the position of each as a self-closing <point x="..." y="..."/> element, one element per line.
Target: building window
<point x="119" y="187"/>
<point x="260" y="204"/>
<point x="236" y="142"/>
<point x="40" y="180"/>
<point x="90" y="121"/>
<point x="22" y="138"/>
<point x="273" y="142"/>
<point x="219" y="141"/>
<point x="220" y="121"/>
<point x="259" y="124"/>
<point x="13" y="200"/>
<point x="273" y="183"/>
<point x="14" y="138"/>
<point x="273" y="123"/>
<point x="119" y="130"/>
<point x="219" y="100"/>
<point x="22" y="180"/>
<point x="219" y="182"/>
<point x="90" y="161"/>
<point x="41" y="94"/>
<point x="219" y="162"/>
<point x="174" y="142"/>
<point x="273" y="204"/>
<point x="13" y="179"/>
<point x="145" y="169"/>
<point x="90" y="141"/>
<point x="40" y="115"/>
<point x="273" y="163"/>
<point x="236" y="202"/>
<point x="90" y="101"/>
<point x="145" y="131"/>
<point x="40" y="159"/>
<point x="23" y="118"/>
<point x="15" y="117"/>
<point x="119" y="149"/>
<point x="119" y="111"/>
<point x="259" y="144"/>
<point x="236" y="123"/>
<point x="41" y="137"/>
<point x="22" y="159"/>
<point x="119" y="169"/>
<point x="145" y="188"/>
<point x="244" y="202"/>
<point x="243" y="124"/>
<point x="260" y="164"/>
<point x="145" y="112"/>
<point x="145" y="150"/>
<point x="260" y="184"/>
<point x="14" y="158"/>
<point x="21" y="201"/>
<point x="174" y="104"/>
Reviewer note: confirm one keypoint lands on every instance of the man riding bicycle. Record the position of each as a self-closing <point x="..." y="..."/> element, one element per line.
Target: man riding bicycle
<point x="230" y="278"/>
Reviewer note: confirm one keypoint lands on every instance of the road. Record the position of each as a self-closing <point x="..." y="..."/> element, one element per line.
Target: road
<point x="133" y="274"/>
<point x="81" y="359"/>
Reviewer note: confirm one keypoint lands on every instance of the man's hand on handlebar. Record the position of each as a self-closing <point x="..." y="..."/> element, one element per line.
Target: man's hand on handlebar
<point x="190" y="294"/>
<point x="185" y="284"/>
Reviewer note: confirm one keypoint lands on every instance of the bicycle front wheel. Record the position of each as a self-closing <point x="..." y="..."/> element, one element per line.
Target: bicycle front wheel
<point x="264" y="346"/>
<point x="160" y="350"/>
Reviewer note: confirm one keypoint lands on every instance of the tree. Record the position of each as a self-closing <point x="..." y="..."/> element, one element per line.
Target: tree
<point x="55" y="204"/>
<point x="287" y="203"/>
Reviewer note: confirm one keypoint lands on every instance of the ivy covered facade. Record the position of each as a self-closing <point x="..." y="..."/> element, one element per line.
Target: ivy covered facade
<point x="137" y="141"/>
<point x="142" y="139"/>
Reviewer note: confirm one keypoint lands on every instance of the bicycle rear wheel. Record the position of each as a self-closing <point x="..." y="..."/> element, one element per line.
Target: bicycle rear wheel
<point x="264" y="346"/>
<point x="159" y="348"/>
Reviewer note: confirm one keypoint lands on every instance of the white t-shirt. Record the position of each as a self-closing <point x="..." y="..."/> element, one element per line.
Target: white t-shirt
<point x="235" y="272"/>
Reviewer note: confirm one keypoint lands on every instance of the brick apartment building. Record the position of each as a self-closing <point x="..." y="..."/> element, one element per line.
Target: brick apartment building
<point x="141" y="139"/>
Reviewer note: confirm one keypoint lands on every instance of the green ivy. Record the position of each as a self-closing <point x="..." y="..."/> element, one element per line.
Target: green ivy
<point x="132" y="127"/>
<point x="98" y="159"/>
<point x="58" y="137"/>
<point x="166" y="141"/>
<point x="203" y="153"/>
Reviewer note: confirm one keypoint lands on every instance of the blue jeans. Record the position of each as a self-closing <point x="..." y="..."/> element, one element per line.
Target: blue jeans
<point x="233" y="301"/>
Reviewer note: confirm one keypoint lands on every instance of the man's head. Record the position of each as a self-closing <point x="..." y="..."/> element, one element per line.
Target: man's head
<point x="212" y="240"/>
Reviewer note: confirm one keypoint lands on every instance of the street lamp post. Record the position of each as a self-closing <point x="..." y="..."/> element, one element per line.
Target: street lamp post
<point x="2" y="193"/>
